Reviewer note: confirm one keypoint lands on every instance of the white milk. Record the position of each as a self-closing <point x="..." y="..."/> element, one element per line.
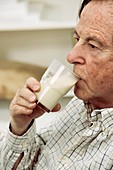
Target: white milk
<point x="52" y="92"/>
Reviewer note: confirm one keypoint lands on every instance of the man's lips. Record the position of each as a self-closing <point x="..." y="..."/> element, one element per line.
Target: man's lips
<point x="78" y="81"/>
<point x="79" y="78"/>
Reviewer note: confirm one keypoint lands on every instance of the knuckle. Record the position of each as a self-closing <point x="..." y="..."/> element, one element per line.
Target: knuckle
<point x="29" y="80"/>
<point x="19" y="91"/>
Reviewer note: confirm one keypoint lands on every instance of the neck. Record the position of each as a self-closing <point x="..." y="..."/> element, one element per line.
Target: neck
<point x="99" y="103"/>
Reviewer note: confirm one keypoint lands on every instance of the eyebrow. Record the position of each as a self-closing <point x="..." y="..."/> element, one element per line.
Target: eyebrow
<point x="94" y="38"/>
<point x="75" y="32"/>
<point x="91" y="38"/>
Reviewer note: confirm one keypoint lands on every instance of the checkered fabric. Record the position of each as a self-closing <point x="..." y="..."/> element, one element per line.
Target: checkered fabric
<point x="79" y="139"/>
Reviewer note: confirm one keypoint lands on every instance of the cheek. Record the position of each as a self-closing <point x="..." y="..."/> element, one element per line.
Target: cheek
<point x="100" y="78"/>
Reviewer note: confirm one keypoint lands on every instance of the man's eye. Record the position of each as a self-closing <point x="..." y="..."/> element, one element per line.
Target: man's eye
<point x="76" y="39"/>
<point x="92" y="46"/>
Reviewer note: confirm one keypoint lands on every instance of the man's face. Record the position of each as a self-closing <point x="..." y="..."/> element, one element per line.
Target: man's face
<point x="92" y="55"/>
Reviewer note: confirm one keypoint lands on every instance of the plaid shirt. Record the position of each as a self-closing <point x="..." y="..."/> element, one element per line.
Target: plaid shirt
<point x="75" y="141"/>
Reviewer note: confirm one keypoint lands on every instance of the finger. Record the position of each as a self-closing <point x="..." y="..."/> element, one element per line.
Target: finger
<point x="26" y="94"/>
<point x="32" y="84"/>
<point x="22" y="102"/>
<point x="20" y="105"/>
<point x="17" y="110"/>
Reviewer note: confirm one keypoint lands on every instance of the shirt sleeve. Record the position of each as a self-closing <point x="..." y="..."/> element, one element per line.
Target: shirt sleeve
<point x="12" y="146"/>
<point x="2" y="137"/>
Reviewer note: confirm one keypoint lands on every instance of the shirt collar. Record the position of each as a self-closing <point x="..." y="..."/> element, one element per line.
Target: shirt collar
<point x="98" y="114"/>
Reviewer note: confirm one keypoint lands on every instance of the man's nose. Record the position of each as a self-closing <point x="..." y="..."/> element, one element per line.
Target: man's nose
<point x="76" y="55"/>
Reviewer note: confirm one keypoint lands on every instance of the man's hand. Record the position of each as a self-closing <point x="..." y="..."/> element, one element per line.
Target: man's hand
<point x="23" y="107"/>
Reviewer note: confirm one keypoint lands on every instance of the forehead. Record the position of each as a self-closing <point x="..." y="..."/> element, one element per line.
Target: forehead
<point x="97" y="15"/>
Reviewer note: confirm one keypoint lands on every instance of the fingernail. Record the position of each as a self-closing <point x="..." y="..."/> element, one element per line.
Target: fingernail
<point x="32" y="98"/>
<point x="36" y="87"/>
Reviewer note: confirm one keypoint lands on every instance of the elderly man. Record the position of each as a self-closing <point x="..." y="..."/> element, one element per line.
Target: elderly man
<point x="82" y="136"/>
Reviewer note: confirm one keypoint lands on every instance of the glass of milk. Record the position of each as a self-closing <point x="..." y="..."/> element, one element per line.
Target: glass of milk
<point x="55" y="83"/>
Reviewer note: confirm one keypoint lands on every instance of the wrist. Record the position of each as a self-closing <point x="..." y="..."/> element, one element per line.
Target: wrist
<point x="17" y="130"/>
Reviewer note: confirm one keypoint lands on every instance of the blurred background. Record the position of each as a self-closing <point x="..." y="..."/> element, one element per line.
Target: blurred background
<point x="32" y="34"/>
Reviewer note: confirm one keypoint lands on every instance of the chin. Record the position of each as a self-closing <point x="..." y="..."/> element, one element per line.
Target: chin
<point x="81" y="94"/>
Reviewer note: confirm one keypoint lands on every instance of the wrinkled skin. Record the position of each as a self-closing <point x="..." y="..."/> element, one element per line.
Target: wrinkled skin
<point x="92" y="54"/>
<point x="23" y="107"/>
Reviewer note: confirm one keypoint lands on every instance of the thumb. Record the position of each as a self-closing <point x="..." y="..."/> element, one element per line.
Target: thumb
<point x="56" y="108"/>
